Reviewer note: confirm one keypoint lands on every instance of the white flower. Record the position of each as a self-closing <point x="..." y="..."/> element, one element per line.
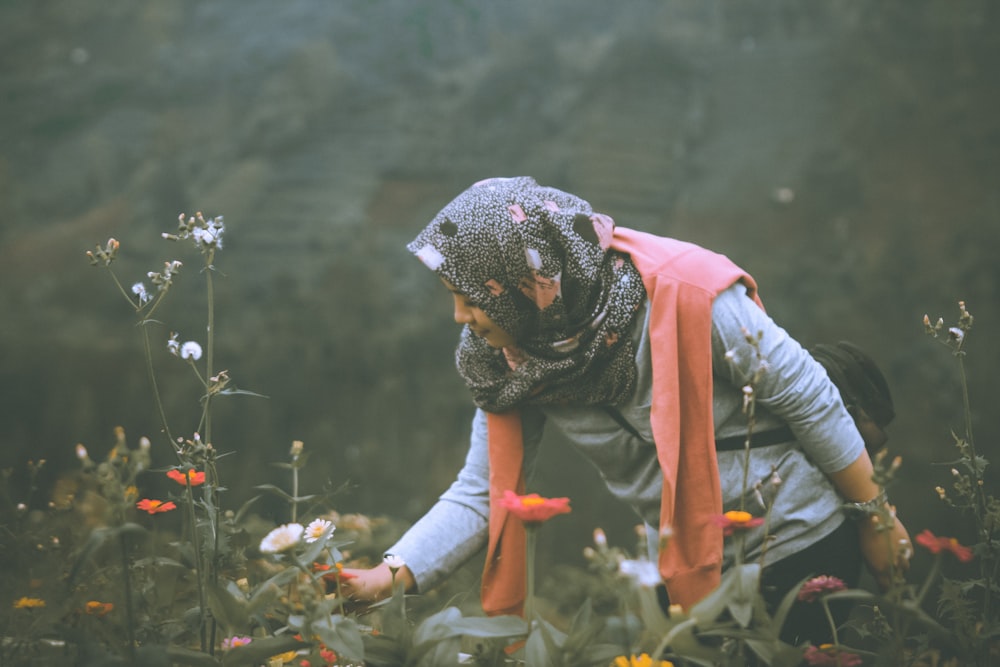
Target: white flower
<point x="139" y="290"/>
<point x="282" y="538"/>
<point x="144" y="444"/>
<point x="191" y="350"/>
<point x="393" y="561"/>
<point x="644" y="572"/>
<point x="174" y="345"/>
<point x="316" y="528"/>
<point x="81" y="452"/>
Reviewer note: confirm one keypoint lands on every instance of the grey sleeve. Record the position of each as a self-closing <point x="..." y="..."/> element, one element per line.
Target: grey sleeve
<point x="792" y="386"/>
<point x="456" y="527"/>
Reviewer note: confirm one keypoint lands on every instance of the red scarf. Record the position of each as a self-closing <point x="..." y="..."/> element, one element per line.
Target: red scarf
<point x="681" y="281"/>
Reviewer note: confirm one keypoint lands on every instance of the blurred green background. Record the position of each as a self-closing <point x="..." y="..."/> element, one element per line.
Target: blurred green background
<point x="845" y="153"/>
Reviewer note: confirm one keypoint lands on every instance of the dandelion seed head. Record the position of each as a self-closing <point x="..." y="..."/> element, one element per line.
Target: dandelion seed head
<point x="190" y="350"/>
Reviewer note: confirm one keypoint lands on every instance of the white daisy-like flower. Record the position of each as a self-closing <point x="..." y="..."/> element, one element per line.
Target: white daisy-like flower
<point x="644" y="572"/>
<point x="282" y="538"/>
<point x="191" y="350"/>
<point x="316" y="528"/>
<point x="393" y="561"/>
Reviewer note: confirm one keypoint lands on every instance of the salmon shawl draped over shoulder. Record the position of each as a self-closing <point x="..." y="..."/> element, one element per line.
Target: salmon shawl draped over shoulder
<point x="682" y="281"/>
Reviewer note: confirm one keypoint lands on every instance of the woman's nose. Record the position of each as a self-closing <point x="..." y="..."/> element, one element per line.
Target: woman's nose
<point x="463" y="314"/>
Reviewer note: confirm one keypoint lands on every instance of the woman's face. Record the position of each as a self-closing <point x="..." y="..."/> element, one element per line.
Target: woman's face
<point x="468" y="312"/>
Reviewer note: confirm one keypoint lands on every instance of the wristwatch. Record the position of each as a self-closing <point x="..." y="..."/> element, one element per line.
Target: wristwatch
<point x="869" y="507"/>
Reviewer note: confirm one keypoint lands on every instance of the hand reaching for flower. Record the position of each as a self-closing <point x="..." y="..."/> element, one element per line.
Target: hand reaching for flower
<point x="374" y="584"/>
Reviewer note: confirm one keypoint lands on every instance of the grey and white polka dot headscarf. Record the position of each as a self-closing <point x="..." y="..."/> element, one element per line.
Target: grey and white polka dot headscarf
<point x="537" y="261"/>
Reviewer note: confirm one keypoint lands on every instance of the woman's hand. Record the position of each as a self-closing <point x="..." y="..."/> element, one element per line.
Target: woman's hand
<point x="886" y="551"/>
<point x="372" y="585"/>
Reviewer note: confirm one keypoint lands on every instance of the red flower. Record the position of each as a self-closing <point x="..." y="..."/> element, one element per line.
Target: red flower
<point x="97" y="608"/>
<point x="329" y="657"/>
<point x="936" y="545"/>
<point x="182" y="478"/>
<point x="332" y="575"/>
<point x="735" y="520"/>
<point x="827" y="656"/>
<point x="532" y="508"/>
<point x="155" y="506"/>
<point x="819" y="586"/>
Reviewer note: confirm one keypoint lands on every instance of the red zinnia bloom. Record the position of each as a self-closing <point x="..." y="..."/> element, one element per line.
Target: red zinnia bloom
<point x="155" y="506"/>
<point x="936" y="545"/>
<point x="192" y="477"/>
<point x="735" y="520"/>
<point x="532" y="508"/>
<point x="819" y="586"/>
<point x="827" y="656"/>
<point x="333" y="574"/>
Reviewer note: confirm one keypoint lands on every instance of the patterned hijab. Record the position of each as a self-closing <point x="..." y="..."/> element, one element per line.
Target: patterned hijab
<point x="537" y="261"/>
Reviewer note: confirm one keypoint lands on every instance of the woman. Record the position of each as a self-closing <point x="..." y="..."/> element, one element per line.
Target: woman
<point x="636" y="347"/>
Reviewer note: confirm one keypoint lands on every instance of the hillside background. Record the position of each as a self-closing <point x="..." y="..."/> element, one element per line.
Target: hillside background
<point x="846" y="153"/>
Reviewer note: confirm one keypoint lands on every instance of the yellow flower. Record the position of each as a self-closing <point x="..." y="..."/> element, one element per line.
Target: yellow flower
<point x="283" y="658"/>
<point x="29" y="603"/>
<point x="642" y="660"/>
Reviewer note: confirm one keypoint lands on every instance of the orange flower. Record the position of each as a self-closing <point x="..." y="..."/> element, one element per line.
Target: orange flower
<point x="936" y="545"/>
<point x="155" y="506"/>
<point x="190" y="476"/>
<point x="532" y="508"/>
<point x="735" y="520"/>
<point x="29" y="603"/>
<point x="96" y="608"/>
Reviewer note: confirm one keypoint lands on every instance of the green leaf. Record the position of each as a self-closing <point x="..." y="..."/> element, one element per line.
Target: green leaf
<point x="493" y="627"/>
<point x="229" y="606"/>
<point x="184" y="656"/>
<point x="743" y="593"/>
<point x="342" y="635"/>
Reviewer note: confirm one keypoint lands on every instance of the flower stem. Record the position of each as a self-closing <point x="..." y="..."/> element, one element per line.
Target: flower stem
<point x="531" y="535"/>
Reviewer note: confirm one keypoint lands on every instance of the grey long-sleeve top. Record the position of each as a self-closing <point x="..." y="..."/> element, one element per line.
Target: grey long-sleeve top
<point x="792" y="390"/>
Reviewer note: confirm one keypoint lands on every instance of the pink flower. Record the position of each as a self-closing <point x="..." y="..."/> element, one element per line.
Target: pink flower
<point x="234" y="641"/>
<point x="827" y="656"/>
<point x="736" y="520"/>
<point x="819" y="586"/>
<point x="936" y="545"/>
<point x="532" y="508"/>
